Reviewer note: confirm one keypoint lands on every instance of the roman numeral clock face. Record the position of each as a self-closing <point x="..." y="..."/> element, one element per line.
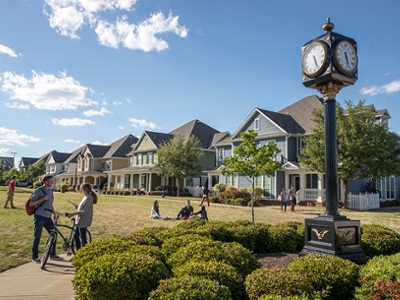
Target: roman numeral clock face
<point x="346" y="57"/>
<point x="314" y="59"/>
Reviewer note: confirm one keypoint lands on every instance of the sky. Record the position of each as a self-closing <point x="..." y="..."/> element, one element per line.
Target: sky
<point x="74" y="72"/>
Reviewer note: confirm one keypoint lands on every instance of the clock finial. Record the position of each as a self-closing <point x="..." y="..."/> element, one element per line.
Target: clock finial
<point x="328" y="26"/>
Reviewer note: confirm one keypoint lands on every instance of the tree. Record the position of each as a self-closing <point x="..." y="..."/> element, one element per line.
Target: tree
<point x="1" y="172"/>
<point x="35" y="170"/>
<point x="252" y="160"/>
<point x="365" y="148"/>
<point x="179" y="158"/>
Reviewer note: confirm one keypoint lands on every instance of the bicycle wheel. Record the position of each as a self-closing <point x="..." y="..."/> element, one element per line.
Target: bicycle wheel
<point x="64" y="239"/>
<point x="88" y="239"/>
<point x="47" y="249"/>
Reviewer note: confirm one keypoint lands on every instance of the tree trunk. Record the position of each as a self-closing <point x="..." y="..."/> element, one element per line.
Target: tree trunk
<point x="252" y="199"/>
<point x="177" y="186"/>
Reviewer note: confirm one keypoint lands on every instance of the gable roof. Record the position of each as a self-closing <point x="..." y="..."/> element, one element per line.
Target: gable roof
<point x="10" y="160"/>
<point x="58" y="157"/>
<point x="220" y="136"/>
<point x="73" y="158"/>
<point x="202" y="131"/>
<point x="27" y="161"/>
<point x="121" y="147"/>
<point x="97" y="151"/>
<point x="157" y="137"/>
<point x="284" y="121"/>
<point x="301" y="111"/>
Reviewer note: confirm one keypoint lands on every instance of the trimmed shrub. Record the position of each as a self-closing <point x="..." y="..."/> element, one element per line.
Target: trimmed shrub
<point x="379" y="240"/>
<point x="277" y="297"/>
<point x="175" y="243"/>
<point x="261" y="237"/>
<point x="119" y="276"/>
<point x="243" y="235"/>
<point x="282" y="238"/>
<point x="223" y="273"/>
<point x="331" y="275"/>
<point x="231" y="253"/>
<point x="191" y="224"/>
<point x="220" y="187"/>
<point x="98" y="248"/>
<point x="379" y="274"/>
<point x="215" y="199"/>
<point x="275" y="282"/>
<point x="126" y="193"/>
<point x="257" y="190"/>
<point x="147" y="236"/>
<point x="185" y="194"/>
<point x="188" y="287"/>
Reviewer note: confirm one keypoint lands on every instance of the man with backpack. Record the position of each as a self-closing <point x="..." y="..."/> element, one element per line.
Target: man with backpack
<point x="42" y="198"/>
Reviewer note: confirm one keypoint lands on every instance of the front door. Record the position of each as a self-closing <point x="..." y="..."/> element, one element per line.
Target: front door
<point x="296" y="180"/>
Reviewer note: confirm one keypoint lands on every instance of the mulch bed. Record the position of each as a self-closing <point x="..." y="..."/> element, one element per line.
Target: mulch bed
<point x="278" y="260"/>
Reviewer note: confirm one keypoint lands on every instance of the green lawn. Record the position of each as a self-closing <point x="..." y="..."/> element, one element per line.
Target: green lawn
<point x="120" y="215"/>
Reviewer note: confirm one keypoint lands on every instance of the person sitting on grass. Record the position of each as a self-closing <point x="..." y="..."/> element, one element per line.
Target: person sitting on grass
<point x="155" y="212"/>
<point x="203" y="213"/>
<point x="185" y="212"/>
<point x="143" y="191"/>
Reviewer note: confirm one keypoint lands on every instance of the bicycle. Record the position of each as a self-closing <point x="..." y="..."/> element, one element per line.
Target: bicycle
<point x="66" y="235"/>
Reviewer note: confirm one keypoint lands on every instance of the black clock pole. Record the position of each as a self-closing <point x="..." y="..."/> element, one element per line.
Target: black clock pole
<point x="331" y="233"/>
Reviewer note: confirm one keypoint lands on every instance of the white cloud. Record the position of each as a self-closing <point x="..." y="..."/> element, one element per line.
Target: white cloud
<point x="46" y="91"/>
<point x="68" y="16"/>
<point x="141" y="36"/>
<point x="5" y="151"/>
<point x="8" y="51"/>
<point x="121" y="127"/>
<point x="117" y="103"/>
<point x="71" y="141"/>
<point x="128" y="100"/>
<point x="143" y="123"/>
<point x="101" y="112"/>
<point x="99" y="143"/>
<point x="72" y="122"/>
<point x="17" y="106"/>
<point x="13" y="137"/>
<point x="389" y="88"/>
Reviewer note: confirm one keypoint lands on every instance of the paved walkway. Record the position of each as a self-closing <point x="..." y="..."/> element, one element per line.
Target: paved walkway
<point x="28" y="281"/>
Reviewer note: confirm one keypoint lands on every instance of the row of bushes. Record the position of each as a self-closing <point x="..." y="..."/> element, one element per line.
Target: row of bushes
<point x="215" y="260"/>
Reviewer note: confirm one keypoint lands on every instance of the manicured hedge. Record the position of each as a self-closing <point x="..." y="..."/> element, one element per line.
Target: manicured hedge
<point x="379" y="240"/>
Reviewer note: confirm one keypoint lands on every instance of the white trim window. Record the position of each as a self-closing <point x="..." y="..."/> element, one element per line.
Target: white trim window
<point x="149" y="158"/>
<point x="390" y="187"/>
<point x="300" y="145"/>
<point x="221" y="154"/>
<point x="131" y="160"/>
<point x="139" y="159"/>
<point x="257" y="124"/>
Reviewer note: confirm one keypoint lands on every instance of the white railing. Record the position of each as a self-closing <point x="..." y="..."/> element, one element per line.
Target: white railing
<point x="362" y="201"/>
<point x="195" y="191"/>
<point x="310" y="195"/>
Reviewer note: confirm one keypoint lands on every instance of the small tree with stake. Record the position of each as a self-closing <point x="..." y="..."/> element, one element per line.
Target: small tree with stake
<point x="251" y="160"/>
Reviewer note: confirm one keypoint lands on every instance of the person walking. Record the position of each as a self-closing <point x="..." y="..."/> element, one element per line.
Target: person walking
<point x="43" y="199"/>
<point x="206" y="196"/>
<point x="83" y="215"/>
<point x="10" y="193"/>
<point x="283" y="195"/>
<point x="292" y="195"/>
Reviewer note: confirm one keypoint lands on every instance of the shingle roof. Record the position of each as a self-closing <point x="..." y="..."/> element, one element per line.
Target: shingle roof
<point x="220" y="136"/>
<point x="59" y="157"/>
<point x="202" y="131"/>
<point x="121" y="147"/>
<point x="98" y="151"/>
<point x="158" y="138"/>
<point x="73" y="158"/>
<point x="301" y="111"/>
<point x="27" y="161"/>
<point x="285" y="121"/>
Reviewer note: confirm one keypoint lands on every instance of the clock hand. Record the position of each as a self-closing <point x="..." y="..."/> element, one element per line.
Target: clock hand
<point x="347" y="58"/>
<point x="315" y="61"/>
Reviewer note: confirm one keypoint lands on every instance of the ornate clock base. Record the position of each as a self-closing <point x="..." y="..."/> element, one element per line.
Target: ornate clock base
<point x="337" y="236"/>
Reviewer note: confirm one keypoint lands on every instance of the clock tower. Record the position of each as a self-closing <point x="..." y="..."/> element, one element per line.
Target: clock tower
<point x="329" y="63"/>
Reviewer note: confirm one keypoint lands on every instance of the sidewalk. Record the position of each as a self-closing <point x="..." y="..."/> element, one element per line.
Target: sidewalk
<point x="28" y="281"/>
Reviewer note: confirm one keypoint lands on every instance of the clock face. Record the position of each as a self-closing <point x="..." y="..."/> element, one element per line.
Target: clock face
<point x="314" y="59"/>
<point x="346" y="57"/>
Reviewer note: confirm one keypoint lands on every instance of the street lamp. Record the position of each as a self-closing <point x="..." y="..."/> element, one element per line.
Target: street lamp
<point x="13" y="154"/>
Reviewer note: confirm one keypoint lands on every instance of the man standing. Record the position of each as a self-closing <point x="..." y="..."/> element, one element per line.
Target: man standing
<point x="292" y="194"/>
<point x="42" y="198"/>
<point x="10" y="193"/>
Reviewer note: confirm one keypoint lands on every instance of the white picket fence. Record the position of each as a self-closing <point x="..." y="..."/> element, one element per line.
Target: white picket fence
<point x="362" y="201"/>
<point x="195" y="191"/>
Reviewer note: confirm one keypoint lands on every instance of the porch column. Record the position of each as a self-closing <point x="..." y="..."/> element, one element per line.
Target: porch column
<point x="108" y="181"/>
<point x="303" y="185"/>
<point x="131" y="182"/>
<point x="150" y="178"/>
<point x="320" y="188"/>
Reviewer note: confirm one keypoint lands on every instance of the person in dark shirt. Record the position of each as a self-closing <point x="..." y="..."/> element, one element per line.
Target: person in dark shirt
<point x="206" y="196"/>
<point x="203" y="213"/>
<point x="185" y="212"/>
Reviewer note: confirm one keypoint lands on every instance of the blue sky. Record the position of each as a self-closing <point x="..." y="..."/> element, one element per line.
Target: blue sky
<point x="91" y="71"/>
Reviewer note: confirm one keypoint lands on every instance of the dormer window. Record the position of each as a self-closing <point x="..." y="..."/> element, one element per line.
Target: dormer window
<point x="257" y="124"/>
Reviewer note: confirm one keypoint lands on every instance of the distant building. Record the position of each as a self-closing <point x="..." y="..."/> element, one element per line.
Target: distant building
<point x="7" y="162"/>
